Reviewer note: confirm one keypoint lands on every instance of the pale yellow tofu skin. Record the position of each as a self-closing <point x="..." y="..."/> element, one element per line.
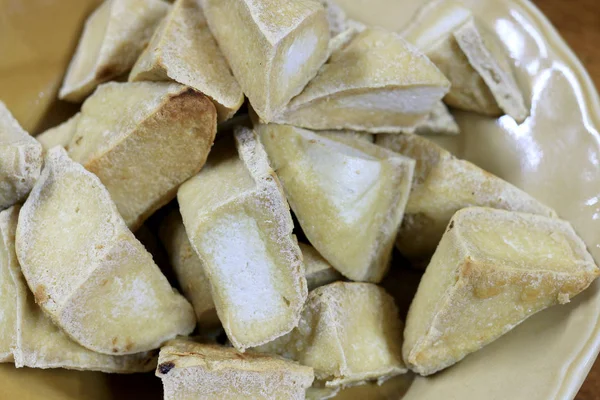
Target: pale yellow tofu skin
<point x="239" y="223"/>
<point x="195" y="284"/>
<point x="20" y="160"/>
<point x="59" y="135"/>
<point x="439" y="122"/>
<point x="183" y="49"/>
<point x="338" y="188"/>
<point x="349" y="333"/>
<point x="30" y="335"/>
<point x="113" y="37"/>
<point x="86" y="269"/>
<point x="470" y="57"/>
<point x="376" y="83"/>
<point x="274" y="47"/>
<point x="318" y="271"/>
<point x="441" y="186"/>
<point x="491" y="271"/>
<point x="189" y="271"/>
<point x="194" y="371"/>
<point x="342" y="135"/>
<point x="143" y="156"/>
<point x="8" y="290"/>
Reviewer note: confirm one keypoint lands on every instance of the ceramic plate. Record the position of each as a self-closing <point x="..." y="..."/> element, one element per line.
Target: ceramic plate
<point x="554" y="155"/>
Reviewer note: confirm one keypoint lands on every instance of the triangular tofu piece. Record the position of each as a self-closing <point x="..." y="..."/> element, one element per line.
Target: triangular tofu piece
<point x="318" y="271"/>
<point x="189" y="270"/>
<point x="491" y="271"/>
<point x="442" y="185"/>
<point x="337" y="189"/>
<point x="438" y="122"/>
<point x="20" y="160"/>
<point x="473" y="60"/>
<point x="61" y="135"/>
<point x="343" y="135"/>
<point x="8" y="290"/>
<point x="349" y="333"/>
<point x="34" y="340"/>
<point x="273" y="47"/>
<point x="183" y="49"/>
<point x="376" y="83"/>
<point x="336" y="17"/>
<point x="143" y="156"/>
<point x="190" y="370"/>
<point x="113" y="37"/>
<point x="87" y="270"/>
<point x="239" y="223"/>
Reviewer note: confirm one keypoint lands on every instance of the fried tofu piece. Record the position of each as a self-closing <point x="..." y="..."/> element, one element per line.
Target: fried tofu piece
<point x="491" y="271"/>
<point x="473" y="60"/>
<point x="31" y="336"/>
<point x="183" y="49"/>
<point x="239" y="223"/>
<point x="343" y="135"/>
<point x="318" y="271"/>
<point x="349" y="333"/>
<point x="8" y="290"/>
<point x="376" y="83"/>
<point x="60" y="135"/>
<point x="113" y="37"/>
<point x="438" y="122"/>
<point x="86" y="269"/>
<point x="277" y="46"/>
<point x="189" y="270"/>
<point x="143" y="156"/>
<point x="194" y="371"/>
<point x="441" y="186"/>
<point x="336" y="17"/>
<point x="20" y="160"/>
<point x="195" y="284"/>
<point x="337" y="189"/>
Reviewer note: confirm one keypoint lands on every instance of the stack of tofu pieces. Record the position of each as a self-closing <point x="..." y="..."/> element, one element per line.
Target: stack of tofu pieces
<point x="334" y="132"/>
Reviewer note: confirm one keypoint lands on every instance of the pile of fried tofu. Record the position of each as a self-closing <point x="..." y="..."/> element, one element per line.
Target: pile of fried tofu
<point x="272" y="158"/>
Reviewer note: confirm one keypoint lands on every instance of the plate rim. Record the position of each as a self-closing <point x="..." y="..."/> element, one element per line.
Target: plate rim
<point x="575" y="373"/>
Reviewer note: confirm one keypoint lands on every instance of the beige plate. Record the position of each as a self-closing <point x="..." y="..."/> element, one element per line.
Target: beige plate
<point x="554" y="156"/>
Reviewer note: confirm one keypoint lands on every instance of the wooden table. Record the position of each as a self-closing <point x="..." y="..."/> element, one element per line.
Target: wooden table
<point x="578" y="21"/>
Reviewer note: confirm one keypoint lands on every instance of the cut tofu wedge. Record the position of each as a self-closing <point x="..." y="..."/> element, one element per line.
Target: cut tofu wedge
<point x="189" y="270"/>
<point x="34" y="340"/>
<point x="20" y="160"/>
<point x="491" y="271"/>
<point x="143" y="156"/>
<point x="277" y="46"/>
<point x="443" y="185"/>
<point x="473" y="60"/>
<point x="376" y="83"/>
<point x="114" y="36"/>
<point x="194" y="371"/>
<point x="183" y="49"/>
<point x="343" y="135"/>
<point x="86" y="269"/>
<point x="61" y="135"/>
<point x="239" y="223"/>
<point x="349" y="333"/>
<point x="337" y="189"/>
<point x="8" y="289"/>
<point x="194" y="282"/>
<point x="438" y="122"/>
<point x="318" y="271"/>
<point x="336" y="17"/>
